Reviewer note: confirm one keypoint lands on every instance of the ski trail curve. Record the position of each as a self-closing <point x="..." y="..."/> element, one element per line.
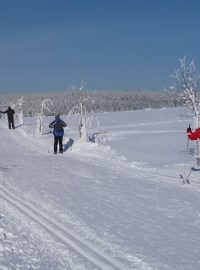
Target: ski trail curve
<point x="115" y="165"/>
<point x="31" y="143"/>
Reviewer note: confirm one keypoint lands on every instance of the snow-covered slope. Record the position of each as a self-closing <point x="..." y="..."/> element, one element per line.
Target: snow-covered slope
<point x="119" y="204"/>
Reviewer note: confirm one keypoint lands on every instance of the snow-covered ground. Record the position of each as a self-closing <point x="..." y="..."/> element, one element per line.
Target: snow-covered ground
<point x="119" y="204"/>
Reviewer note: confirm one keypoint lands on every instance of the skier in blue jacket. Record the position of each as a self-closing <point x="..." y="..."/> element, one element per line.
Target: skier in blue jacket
<point x="58" y="132"/>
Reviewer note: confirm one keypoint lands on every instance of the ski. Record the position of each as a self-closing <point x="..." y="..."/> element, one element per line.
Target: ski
<point x="185" y="180"/>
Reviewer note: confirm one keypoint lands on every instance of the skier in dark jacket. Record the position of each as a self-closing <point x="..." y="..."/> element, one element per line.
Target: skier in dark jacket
<point x="10" y="112"/>
<point x="58" y="132"/>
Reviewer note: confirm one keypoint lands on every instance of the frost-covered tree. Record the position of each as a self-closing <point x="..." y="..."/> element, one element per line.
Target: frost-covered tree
<point x="83" y="134"/>
<point x="19" y="109"/>
<point x="45" y="105"/>
<point x="95" y="101"/>
<point x="186" y="83"/>
<point x="81" y="108"/>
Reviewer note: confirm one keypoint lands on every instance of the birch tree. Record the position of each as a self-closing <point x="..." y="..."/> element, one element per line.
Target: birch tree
<point x="186" y="83"/>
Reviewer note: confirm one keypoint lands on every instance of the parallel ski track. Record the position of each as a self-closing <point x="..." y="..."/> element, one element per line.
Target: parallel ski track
<point x="151" y="176"/>
<point x="127" y="170"/>
<point x="116" y="165"/>
<point x="30" y="142"/>
<point x="84" y="248"/>
<point x="69" y="238"/>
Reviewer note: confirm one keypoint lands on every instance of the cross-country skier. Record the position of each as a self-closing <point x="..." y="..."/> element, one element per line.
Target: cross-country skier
<point x="58" y="132"/>
<point x="10" y="112"/>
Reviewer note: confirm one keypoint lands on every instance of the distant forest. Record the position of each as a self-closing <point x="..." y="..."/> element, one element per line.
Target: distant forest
<point x="94" y="101"/>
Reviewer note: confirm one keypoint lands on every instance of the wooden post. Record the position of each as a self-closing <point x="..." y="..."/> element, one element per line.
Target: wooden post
<point x="196" y="125"/>
<point x="198" y="152"/>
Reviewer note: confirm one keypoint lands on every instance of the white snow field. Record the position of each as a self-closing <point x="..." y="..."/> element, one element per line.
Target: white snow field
<point x="118" y="204"/>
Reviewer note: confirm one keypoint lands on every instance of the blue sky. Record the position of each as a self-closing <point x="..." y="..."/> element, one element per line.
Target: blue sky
<point x="50" y="45"/>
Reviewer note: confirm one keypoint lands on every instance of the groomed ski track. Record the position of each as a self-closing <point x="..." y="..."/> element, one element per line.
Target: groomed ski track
<point x="115" y="165"/>
<point x="66" y="236"/>
<point x="85" y="249"/>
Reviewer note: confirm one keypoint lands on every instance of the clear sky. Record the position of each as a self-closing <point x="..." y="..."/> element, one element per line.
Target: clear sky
<point x="49" y="45"/>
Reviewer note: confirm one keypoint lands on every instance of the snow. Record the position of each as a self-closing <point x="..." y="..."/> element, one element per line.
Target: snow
<point x="116" y="204"/>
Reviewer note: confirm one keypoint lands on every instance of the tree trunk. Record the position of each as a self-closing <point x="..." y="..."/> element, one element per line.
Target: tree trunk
<point x="83" y="130"/>
<point x="196" y="125"/>
<point x="198" y="152"/>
